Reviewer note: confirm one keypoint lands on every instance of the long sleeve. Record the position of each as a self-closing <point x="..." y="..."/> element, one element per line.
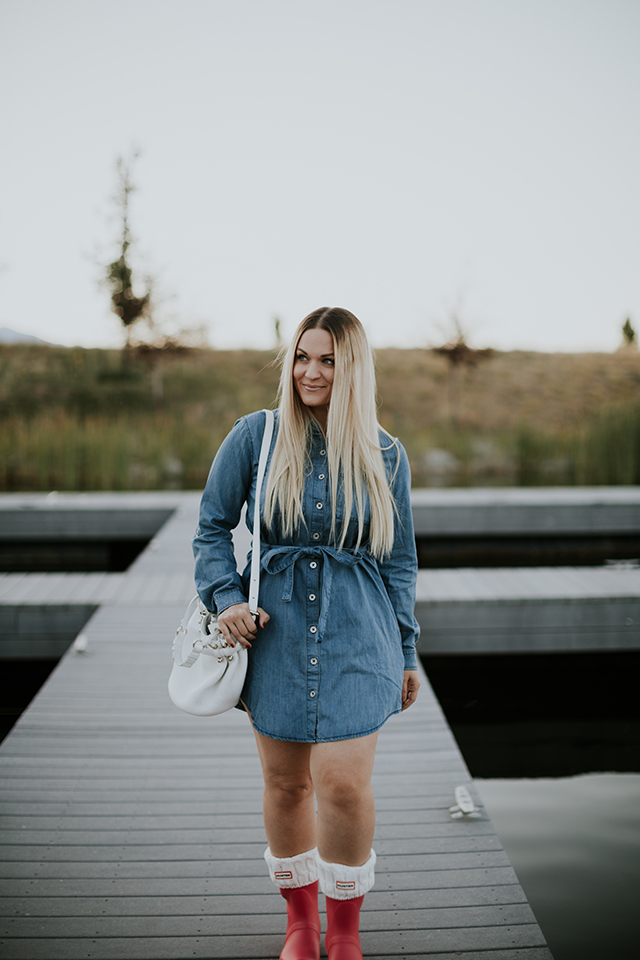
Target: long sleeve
<point x="218" y="582"/>
<point x="400" y="568"/>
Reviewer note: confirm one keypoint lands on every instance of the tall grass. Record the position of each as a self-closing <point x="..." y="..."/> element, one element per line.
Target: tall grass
<point x="61" y="452"/>
<point x="608" y="450"/>
<point x="86" y="420"/>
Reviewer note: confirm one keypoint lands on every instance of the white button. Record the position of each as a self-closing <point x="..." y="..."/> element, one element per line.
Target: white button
<point x="319" y="505"/>
<point x="316" y="536"/>
<point x="313" y="564"/>
<point x="322" y="453"/>
<point x="314" y="660"/>
<point x="312" y="596"/>
<point x="312" y="694"/>
<point x="313" y="629"/>
<point x="321" y="476"/>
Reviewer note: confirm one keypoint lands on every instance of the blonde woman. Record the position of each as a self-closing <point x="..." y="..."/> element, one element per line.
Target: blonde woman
<point x="334" y="653"/>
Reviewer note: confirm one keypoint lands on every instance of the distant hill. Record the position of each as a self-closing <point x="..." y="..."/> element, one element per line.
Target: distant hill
<point x="14" y="336"/>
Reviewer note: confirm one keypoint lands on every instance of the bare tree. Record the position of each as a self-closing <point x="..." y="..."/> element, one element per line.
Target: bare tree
<point x="119" y="274"/>
<point x="458" y="355"/>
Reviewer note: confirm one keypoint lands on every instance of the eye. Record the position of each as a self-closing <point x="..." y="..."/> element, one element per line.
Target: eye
<point x="301" y="356"/>
<point x="329" y="360"/>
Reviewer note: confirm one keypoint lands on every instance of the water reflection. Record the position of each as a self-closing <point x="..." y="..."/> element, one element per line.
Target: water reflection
<point x="541" y="715"/>
<point x="575" y="846"/>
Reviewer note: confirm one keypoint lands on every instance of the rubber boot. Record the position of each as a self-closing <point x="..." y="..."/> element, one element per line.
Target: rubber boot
<point x="342" y="938"/>
<point x="344" y="887"/>
<point x="303" y="923"/>
<point x="297" y="878"/>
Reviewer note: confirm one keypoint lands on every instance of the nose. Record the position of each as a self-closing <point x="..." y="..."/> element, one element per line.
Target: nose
<point x="313" y="370"/>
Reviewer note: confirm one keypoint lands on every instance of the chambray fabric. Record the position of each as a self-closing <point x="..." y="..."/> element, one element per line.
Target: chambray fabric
<point x="329" y="664"/>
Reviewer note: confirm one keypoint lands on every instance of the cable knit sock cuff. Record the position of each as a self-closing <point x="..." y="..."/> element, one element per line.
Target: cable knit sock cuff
<point x="289" y="872"/>
<point x="341" y="882"/>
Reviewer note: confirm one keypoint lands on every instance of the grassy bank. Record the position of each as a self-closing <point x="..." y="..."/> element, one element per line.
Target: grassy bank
<point x="76" y="419"/>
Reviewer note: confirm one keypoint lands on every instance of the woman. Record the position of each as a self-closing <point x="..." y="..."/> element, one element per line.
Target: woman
<point x="334" y="655"/>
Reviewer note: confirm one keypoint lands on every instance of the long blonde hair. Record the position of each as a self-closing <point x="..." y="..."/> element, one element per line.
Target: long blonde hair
<point x="354" y="453"/>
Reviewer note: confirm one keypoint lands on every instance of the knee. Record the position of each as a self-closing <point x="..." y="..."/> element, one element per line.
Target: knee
<point x="288" y="792"/>
<point x="344" y="793"/>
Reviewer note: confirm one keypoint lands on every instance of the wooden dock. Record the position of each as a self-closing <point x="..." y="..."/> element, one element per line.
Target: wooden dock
<point x="541" y="609"/>
<point x="461" y="610"/>
<point x="131" y="830"/>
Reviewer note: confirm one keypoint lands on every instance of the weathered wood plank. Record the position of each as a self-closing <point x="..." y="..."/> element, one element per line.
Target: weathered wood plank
<point x="475" y="940"/>
<point x="239" y="866"/>
<point x="405" y="886"/>
<point x="70" y="849"/>
<point x="93" y="899"/>
<point x="152" y="829"/>
<point x="265" y="921"/>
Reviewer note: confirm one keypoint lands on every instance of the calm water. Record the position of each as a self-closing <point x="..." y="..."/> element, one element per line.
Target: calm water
<point x="532" y="728"/>
<point x="575" y="846"/>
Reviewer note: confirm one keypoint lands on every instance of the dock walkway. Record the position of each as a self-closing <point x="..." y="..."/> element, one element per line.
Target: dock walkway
<point x="130" y="830"/>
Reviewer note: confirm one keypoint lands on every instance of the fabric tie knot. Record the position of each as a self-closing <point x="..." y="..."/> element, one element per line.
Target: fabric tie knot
<point x="276" y="559"/>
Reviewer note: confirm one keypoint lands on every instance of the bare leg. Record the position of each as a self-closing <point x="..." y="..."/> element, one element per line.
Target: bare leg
<point x="288" y="803"/>
<point x="341" y="773"/>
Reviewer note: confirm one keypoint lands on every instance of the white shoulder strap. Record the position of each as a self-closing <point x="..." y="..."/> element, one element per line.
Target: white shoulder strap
<point x="254" y="584"/>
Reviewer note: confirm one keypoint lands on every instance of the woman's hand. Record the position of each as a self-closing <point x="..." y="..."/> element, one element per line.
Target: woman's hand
<point x="236" y="624"/>
<point x="410" y="686"/>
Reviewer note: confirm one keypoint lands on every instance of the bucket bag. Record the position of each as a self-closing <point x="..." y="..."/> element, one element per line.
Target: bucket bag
<point x="208" y="674"/>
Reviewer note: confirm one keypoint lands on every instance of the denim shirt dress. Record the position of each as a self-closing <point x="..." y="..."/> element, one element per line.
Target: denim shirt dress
<point x="329" y="663"/>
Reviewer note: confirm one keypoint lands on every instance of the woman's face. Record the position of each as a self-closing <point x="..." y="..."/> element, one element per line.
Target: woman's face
<point x="313" y="370"/>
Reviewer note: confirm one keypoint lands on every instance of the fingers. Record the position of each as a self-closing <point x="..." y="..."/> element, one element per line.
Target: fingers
<point x="237" y="625"/>
<point x="410" y="687"/>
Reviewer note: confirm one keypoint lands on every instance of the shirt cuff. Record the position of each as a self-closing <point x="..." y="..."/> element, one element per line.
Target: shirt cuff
<point x="227" y="599"/>
<point x="410" y="659"/>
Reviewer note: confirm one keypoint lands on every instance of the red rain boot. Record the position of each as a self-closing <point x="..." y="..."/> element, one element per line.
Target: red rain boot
<point x="342" y="939"/>
<point x="303" y="923"/>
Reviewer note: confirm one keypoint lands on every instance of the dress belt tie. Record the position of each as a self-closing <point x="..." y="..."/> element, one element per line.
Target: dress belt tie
<point x="276" y="559"/>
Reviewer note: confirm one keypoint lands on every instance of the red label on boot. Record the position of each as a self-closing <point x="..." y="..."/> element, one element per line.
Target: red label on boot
<point x="283" y="875"/>
<point x="345" y="884"/>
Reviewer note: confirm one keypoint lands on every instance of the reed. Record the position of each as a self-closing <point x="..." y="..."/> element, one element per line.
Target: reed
<point x="73" y="419"/>
<point x="61" y="452"/>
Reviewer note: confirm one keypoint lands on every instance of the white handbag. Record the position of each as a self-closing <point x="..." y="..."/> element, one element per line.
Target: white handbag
<point x="207" y="674"/>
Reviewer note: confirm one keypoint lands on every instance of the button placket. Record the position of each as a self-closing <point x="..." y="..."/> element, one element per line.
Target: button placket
<point x="312" y="590"/>
<point x="315" y="513"/>
<point x="316" y="494"/>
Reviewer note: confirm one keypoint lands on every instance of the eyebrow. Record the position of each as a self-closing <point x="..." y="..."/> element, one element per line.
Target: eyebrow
<point x="322" y="355"/>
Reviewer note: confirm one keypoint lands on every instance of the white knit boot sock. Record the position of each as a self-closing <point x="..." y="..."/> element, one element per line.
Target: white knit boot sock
<point x="341" y="882"/>
<point x="290" y="872"/>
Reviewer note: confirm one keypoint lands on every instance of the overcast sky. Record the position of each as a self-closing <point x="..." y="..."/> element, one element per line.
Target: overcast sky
<point x="406" y="159"/>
